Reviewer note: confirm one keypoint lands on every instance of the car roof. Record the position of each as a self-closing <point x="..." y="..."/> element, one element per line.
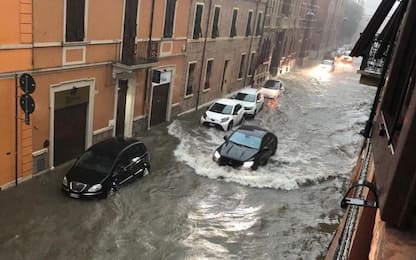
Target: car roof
<point x="226" y="101"/>
<point x="252" y="130"/>
<point x="274" y="80"/>
<point x="113" y="146"/>
<point x="248" y="90"/>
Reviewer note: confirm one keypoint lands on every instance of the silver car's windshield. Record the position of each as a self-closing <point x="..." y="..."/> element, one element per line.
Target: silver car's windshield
<point x="272" y="84"/>
<point x="246" y="97"/>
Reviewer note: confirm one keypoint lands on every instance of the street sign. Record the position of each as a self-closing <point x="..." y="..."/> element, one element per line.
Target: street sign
<point x="27" y="83"/>
<point x="27" y="103"/>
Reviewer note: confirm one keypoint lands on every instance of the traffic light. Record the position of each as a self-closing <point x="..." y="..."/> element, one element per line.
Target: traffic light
<point x="28" y="85"/>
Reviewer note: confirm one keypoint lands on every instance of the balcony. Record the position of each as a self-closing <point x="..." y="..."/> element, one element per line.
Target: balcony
<point x="372" y="65"/>
<point x="137" y="56"/>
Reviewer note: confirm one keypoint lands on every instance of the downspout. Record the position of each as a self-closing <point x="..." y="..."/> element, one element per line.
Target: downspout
<point x="149" y="46"/>
<point x="203" y="56"/>
<point x="16" y="141"/>
<point x="261" y="38"/>
<point x="250" y="46"/>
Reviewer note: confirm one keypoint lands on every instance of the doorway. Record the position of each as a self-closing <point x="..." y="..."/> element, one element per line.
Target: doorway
<point x="159" y="104"/>
<point x="70" y="123"/>
<point x="224" y="78"/>
<point x="121" y="107"/>
<point x="69" y="134"/>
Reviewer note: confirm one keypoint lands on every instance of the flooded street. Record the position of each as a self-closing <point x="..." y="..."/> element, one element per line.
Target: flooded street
<point x="190" y="208"/>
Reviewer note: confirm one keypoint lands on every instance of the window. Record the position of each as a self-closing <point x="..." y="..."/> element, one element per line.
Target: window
<point x="191" y="78"/>
<point x="237" y="109"/>
<point x="169" y="18"/>
<point x="251" y="68"/>
<point x="75" y="17"/>
<point x="241" y="70"/>
<point x="259" y="27"/>
<point x="286" y="7"/>
<point x="233" y="31"/>
<point x="215" y="28"/>
<point x="248" y="29"/>
<point x="198" y="18"/>
<point x="208" y="75"/>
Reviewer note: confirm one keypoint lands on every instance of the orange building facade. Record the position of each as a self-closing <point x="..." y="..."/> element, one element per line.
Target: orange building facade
<point x="15" y="55"/>
<point x="95" y="77"/>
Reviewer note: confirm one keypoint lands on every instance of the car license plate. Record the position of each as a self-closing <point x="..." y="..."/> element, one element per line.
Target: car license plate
<point x="211" y="124"/>
<point x="74" y="195"/>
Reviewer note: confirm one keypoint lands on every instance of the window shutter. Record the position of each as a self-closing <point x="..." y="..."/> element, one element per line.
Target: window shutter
<point x="233" y="31"/>
<point x="248" y="29"/>
<point x="169" y="19"/>
<point x="197" y="26"/>
<point x="215" y="31"/>
<point x="75" y="16"/>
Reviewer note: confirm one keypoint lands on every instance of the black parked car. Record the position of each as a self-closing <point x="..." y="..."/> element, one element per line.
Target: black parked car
<point x="247" y="147"/>
<point x="105" y="166"/>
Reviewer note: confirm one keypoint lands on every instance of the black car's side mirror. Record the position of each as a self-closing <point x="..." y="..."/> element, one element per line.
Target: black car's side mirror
<point x="266" y="148"/>
<point x="225" y="138"/>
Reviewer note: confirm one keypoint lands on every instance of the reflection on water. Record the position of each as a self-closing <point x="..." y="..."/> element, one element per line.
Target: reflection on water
<point x="271" y="103"/>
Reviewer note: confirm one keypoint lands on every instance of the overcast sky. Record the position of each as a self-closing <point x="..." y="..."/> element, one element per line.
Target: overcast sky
<point x="370" y="6"/>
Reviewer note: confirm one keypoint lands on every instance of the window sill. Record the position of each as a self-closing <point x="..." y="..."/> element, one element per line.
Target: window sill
<point x="73" y="44"/>
<point x="196" y="40"/>
<point x="206" y="90"/>
<point x="188" y="96"/>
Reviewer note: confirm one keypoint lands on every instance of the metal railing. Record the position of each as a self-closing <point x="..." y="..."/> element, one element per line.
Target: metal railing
<point x="372" y="63"/>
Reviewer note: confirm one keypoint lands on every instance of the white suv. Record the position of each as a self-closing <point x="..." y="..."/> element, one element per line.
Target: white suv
<point x="223" y="113"/>
<point x="252" y="100"/>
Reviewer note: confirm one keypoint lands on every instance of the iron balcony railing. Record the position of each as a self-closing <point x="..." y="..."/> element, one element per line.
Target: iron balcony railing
<point x="374" y="62"/>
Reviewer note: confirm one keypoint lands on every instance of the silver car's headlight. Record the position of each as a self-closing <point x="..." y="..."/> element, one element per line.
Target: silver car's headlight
<point x="224" y="119"/>
<point x="217" y="155"/>
<point x="65" y="182"/>
<point x="248" y="164"/>
<point x="95" y="188"/>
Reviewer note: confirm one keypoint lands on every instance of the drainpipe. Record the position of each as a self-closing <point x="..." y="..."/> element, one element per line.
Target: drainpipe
<point x="149" y="46"/>
<point x="203" y="56"/>
<point x="251" y="45"/>
<point x="16" y="141"/>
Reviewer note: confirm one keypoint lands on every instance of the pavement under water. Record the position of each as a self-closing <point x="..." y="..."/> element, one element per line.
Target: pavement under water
<point x="189" y="208"/>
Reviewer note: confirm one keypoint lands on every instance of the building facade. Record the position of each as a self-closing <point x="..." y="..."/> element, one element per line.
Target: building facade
<point x="94" y="76"/>
<point x="147" y="62"/>
<point x="15" y="55"/>
<point x="223" y="45"/>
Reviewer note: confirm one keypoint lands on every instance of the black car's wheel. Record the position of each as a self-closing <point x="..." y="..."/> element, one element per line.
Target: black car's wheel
<point x="274" y="150"/>
<point x="110" y="191"/>
<point x="146" y="171"/>
<point x="230" y="126"/>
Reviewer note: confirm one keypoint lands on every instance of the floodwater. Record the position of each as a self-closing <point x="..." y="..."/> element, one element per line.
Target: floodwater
<point x="190" y="208"/>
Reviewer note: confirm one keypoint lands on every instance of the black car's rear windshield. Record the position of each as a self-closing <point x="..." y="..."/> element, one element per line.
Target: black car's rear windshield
<point x="246" y="140"/>
<point x="95" y="161"/>
<point x="246" y="97"/>
<point x="221" y="108"/>
<point x="272" y="84"/>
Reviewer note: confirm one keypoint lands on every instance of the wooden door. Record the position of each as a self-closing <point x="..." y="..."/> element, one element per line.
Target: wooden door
<point x="121" y="107"/>
<point x="69" y="132"/>
<point x="159" y="104"/>
<point x="129" y="33"/>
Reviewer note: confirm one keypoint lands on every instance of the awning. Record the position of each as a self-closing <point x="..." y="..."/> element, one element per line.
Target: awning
<point x="388" y="34"/>
<point x="365" y="41"/>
